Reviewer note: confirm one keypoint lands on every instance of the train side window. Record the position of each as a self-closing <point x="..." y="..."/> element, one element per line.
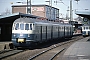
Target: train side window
<point x="86" y="27"/>
<point x="30" y="26"/>
<point x="26" y="26"/>
<point x="89" y="27"/>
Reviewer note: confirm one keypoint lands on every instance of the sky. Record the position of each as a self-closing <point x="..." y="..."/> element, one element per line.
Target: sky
<point x="82" y="5"/>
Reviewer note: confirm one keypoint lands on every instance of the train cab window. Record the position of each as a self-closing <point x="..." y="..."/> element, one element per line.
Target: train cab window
<point x="22" y="26"/>
<point x="26" y="26"/>
<point x="13" y="27"/>
<point x="30" y="26"/>
<point x="17" y="26"/>
<point x="89" y="28"/>
<point x="33" y="27"/>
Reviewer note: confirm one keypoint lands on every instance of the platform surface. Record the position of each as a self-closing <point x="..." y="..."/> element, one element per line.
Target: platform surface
<point x="5" y="45"/>
<point x="80" y="50"/>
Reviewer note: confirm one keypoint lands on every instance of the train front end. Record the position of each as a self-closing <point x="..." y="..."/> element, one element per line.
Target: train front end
<point x="86" y="30"/>
<point x="22" y="34"/>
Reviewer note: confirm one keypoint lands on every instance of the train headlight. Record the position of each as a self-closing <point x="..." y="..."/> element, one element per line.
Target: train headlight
<point x="14" y="35"/>
<point x="28" y="35"/>
<point x="21" y="34"/>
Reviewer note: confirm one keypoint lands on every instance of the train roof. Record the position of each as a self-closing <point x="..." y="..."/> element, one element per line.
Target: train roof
<point x="37" y="21"/>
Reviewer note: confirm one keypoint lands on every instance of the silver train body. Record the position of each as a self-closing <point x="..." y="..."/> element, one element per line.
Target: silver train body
<point x="86" y="30"/>
<point x="27" y="31"/>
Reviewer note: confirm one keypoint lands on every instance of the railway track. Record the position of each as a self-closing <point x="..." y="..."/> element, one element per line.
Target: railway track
<point x="51" y="51"/>
<point x="9" y="52"/>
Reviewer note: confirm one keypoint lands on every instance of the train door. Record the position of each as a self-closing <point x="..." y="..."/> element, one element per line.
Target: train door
<point x="61" y="32"/>
<point x="71" y="30"/>
<point x="46" y="32"/>
<point x="58" y="32"/>
<point x="38" y="32"/>
<point x="49" y="32"/>
<point x="52" y="32"/>
<point x="43" y="32"/>
<point x="64" y="31"/>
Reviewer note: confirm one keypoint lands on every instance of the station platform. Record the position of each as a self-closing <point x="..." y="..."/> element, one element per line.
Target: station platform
<point x="5" y="45"/>
<point x="77" y="34"/>
<point x="80" y="50"/>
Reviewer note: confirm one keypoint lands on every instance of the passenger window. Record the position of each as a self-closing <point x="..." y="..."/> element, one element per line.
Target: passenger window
<point x="86" y="27"/>
<point x="26" y="26"/>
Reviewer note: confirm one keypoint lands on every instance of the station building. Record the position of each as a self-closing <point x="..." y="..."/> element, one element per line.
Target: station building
<point x="45" y="11"/>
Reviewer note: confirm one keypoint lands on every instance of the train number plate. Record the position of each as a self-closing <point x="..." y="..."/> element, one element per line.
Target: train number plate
<point x="21" y="40"/>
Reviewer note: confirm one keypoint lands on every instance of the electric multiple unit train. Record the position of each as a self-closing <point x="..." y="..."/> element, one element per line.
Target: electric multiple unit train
<point x="28" y="31"/>
<point x="86" y="30"/>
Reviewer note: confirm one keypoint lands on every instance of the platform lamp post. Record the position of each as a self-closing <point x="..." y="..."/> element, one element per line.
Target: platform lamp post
<point x="71" y="11"/>
<point x="70" y="8"/>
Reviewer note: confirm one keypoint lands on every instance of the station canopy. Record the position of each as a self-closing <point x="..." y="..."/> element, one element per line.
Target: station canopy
<point x="85" y="14"/>
<point x="12" y="17"/>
